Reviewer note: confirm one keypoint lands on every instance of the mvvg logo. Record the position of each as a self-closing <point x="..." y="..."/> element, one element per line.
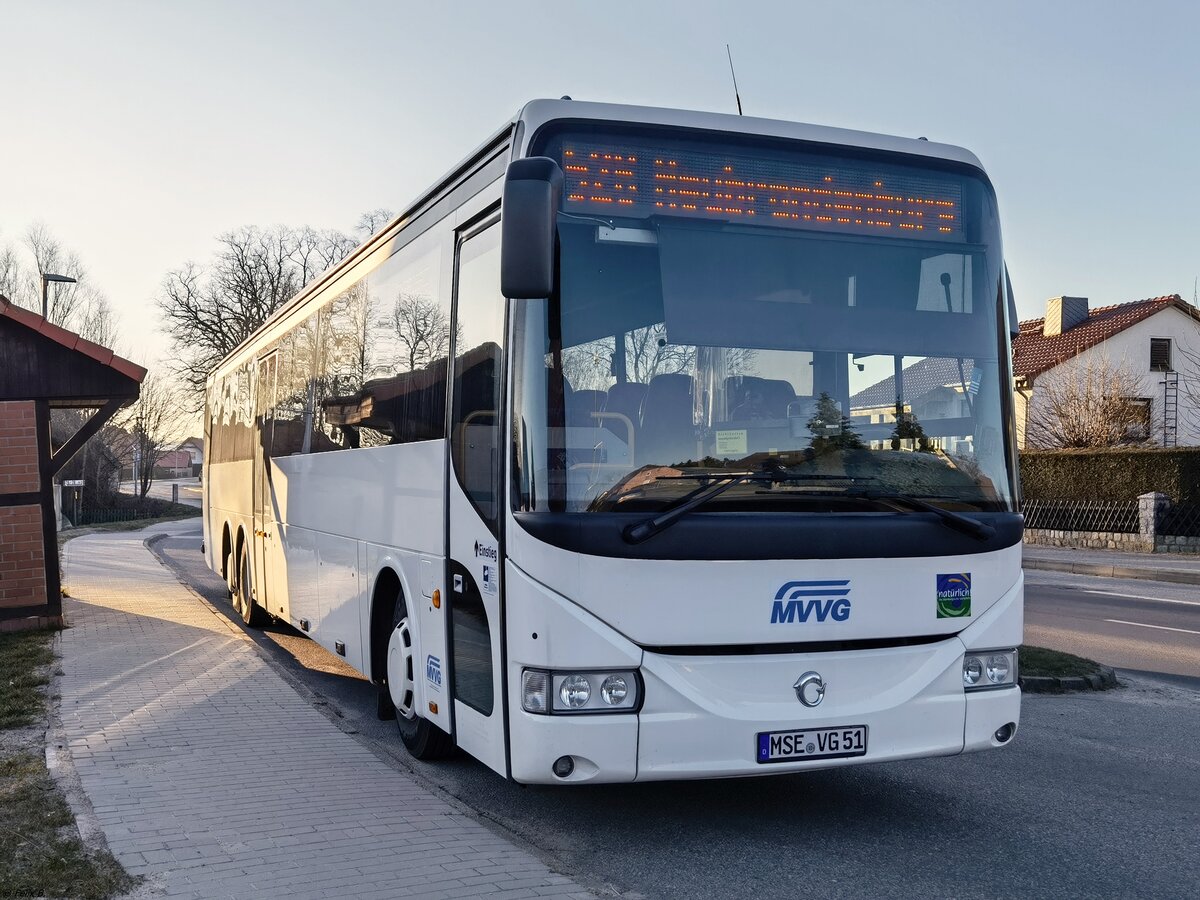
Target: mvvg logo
<point x="820" y="600"/>
<point x="433" y="670"/>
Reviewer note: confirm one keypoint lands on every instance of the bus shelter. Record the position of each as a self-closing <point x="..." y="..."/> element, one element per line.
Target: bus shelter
<point x="44" y="367"/>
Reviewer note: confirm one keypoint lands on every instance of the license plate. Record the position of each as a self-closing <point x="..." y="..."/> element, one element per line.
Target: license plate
<point x="812" y="743"/>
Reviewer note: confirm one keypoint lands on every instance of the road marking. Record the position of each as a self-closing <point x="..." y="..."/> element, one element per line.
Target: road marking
<point x="1140" y="597"/>
<point x="1159" y="627"/>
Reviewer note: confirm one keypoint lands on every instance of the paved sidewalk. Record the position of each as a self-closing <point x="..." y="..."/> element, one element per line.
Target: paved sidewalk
<point x="1174" y="567"/>
<point x="211" y="776"/>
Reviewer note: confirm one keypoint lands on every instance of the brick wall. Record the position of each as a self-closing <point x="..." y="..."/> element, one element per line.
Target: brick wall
<point x="18" y="448"/>
<point x="1088" y="540"/>
<point x="22" y="551"/>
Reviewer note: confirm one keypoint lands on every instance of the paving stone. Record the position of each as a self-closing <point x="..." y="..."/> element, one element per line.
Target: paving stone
<point x="160" y="697"/>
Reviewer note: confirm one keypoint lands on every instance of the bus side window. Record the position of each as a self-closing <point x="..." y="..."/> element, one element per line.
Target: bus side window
<point x="384" y="344"/>
<point x="479" y="334"/>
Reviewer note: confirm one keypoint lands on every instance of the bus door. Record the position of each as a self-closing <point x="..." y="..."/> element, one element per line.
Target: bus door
<point x="474" y="496"/>
<point x="264" y="517"/>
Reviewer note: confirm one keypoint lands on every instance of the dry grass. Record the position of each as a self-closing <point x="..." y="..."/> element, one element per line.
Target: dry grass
<point x="41" y="854"/>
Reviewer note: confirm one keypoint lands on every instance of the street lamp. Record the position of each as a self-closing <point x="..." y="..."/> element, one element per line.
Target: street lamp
<point x="46" y="279"/>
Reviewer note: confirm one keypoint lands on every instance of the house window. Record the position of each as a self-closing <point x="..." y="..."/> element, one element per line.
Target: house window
<point x="1160" y="354"/>
<point x="1135" y="414"/>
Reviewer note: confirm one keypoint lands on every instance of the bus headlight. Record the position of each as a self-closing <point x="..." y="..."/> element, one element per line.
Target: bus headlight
<point x="987" y="669"/>
<point x="577" y="693"/>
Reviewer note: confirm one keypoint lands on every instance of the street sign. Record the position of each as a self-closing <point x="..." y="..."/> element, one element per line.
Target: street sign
<point x="73" y="482"/>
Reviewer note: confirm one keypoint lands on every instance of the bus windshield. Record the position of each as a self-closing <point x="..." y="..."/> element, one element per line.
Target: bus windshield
<point x="833" y="325"/>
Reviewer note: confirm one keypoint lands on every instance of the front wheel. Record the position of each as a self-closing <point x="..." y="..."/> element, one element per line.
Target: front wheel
<point x="423" y="739"/>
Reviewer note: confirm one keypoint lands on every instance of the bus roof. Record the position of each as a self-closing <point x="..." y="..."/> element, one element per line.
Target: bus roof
<point x="537" y="113"/>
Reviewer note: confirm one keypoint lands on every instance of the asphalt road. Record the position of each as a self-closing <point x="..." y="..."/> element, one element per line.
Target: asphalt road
<point x="1098" y="796"/>
<point x="160" y="489"/>
<point x="1139" y="626"/>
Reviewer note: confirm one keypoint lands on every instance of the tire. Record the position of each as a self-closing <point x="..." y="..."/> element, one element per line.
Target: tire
<point x="243" y="600"/>
<point x="230" y="569"/>
<point x="422" y="738"/>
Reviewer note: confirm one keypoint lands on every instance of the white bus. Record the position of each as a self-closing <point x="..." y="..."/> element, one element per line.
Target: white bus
<point x="648" y="444"/>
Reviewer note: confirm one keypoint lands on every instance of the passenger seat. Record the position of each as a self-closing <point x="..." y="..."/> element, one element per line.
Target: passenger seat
<point x="668" y="435"/>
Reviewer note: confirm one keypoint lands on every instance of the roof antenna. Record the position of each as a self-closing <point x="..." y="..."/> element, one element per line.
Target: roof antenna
<point x="734" y="74"/>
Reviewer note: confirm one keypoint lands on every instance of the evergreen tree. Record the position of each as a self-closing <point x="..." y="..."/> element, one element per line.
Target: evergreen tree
<point x="831" y="429"/>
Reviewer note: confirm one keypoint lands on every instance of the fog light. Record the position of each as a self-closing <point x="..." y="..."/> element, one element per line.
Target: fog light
<point x="614" y="690"/>
<point x="1005" y="732"/>
<point x="997" y="669"/>
<point x="563" y="766"/>
<point x="972" y="671"/>
<point x="575" y="692"/>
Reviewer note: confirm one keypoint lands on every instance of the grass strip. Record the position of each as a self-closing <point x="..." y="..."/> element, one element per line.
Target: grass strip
<point x="40" y="851"/>
<point x="1043" y="662"/>
<point x="24" y="656"/>
<point x="41" y="854"/>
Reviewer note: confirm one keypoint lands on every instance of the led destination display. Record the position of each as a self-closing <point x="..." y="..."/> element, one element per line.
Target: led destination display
<point x="640" y="179"/>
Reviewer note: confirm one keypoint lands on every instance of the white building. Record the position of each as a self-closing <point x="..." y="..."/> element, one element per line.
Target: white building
<point x="1155" y="342"/>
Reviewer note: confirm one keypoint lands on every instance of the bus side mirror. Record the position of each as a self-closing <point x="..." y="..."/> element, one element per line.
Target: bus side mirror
<point x="532" y="191"/>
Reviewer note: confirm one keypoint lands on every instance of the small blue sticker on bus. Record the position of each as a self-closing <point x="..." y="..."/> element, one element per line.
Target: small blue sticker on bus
<point x="433" y="671"/>
<point x="489" y="579"/>
<point x="954" y="596"/>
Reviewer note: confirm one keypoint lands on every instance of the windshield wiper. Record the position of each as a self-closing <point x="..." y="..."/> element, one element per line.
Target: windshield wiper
<point x="647" y="528"/>
<point x="973" y="527"/>
<point x="979" y="530"/>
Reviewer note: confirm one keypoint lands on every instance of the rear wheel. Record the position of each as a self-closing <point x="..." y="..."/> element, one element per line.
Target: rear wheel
<point x="423" y="739"/>
<point x="243" y="598"/>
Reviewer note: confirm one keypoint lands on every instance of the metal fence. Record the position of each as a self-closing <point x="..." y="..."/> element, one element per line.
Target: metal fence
<point x="1180" y="519"/>
<point x="104" y="516"/>
<point x="1082" y="515"/>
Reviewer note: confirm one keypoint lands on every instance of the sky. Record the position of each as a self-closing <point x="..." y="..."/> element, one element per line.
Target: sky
<point x="139" y="131"/>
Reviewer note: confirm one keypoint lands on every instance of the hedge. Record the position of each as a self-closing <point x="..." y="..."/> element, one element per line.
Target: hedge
<point x="1117" y="474"/>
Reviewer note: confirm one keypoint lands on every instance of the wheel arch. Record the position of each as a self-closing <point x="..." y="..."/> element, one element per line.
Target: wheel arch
<point x="383" y="599"/>
<point x="226" y="550"/>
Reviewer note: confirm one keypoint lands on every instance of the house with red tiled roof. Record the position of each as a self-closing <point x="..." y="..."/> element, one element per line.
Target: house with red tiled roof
<point x="1155" y="342"/>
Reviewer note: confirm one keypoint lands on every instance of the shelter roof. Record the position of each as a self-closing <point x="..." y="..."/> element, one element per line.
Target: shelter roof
<point x="42" y="361"/>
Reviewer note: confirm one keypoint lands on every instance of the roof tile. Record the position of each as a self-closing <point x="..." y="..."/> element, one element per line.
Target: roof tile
<point x="70" y="339"/>
<point x="1034" y="353"/>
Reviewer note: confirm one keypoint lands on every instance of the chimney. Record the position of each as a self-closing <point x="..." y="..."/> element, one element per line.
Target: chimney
<point x="1063" y="314"/>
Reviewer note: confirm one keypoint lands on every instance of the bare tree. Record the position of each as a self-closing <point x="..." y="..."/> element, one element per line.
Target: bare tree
<point x="207" y="311"/>
<point x="15" y="282"/>
<point x="422" y="328"/>
<point x="348" y="342"/>
<point x="1089" y="402"/>
<point x="647" y="353"/>
<point x="80" y="307"/>
<point x="1185" y="372"/>
<point x="371" y="221"/>
<point x="147" y="430"/>
<point x="315" y="251"/>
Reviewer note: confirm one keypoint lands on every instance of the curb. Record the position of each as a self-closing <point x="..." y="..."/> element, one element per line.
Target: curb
<point x="1104" y="680"/>
<point x="1175" y="576"/>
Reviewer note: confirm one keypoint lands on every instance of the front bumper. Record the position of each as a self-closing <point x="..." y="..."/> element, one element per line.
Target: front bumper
<point x="701" y="714"/>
